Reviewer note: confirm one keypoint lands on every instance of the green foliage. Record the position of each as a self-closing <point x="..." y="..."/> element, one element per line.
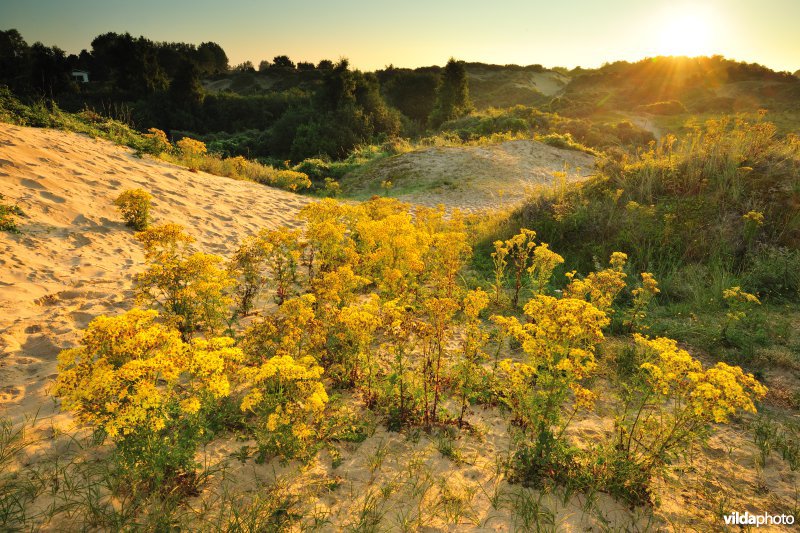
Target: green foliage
<point x="665" y="203"/>
<point x="452" y="94"/>
<point x="9" y="215"/>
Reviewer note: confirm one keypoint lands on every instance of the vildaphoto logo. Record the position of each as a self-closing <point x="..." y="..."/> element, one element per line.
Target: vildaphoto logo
<point x="758" y="520"/>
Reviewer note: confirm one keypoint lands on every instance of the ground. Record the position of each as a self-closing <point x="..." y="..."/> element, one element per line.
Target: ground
<point x="75" y="260"/>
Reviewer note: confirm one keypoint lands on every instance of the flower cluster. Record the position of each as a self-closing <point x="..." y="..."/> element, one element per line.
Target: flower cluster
<point x="711" y="395"/>
<point x="754" y="217"/>
<point x="191" y="147"/>
<point x="602" y="287"/>
<point x="129" y="373"/>
<point x="739" y="303"/>
<point x="287" y="393"/>
<point x="157" y="141"/>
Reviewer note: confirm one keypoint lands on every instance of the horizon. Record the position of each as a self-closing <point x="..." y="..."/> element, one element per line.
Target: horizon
<point x="501" y="35"/>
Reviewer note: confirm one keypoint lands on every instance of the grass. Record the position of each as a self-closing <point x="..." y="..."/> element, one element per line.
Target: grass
<point x="9" y="215"/>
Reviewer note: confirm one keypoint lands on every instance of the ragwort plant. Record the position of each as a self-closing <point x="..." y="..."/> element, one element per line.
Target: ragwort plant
<point x="134" y="205"/>
<point x="558" y="339"/>
<point x="371" y="299"/>
<point x="671" y="403"/>
<point x="189" y="287"/>
<point x="147" y="390"/>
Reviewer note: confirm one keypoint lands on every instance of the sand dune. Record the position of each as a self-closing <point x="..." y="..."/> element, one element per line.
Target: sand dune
<point x="75" y="259"/>
<point x="472" y="178"/>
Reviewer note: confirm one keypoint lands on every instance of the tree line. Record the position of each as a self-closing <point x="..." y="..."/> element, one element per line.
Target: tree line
<point x="310" y="110"/>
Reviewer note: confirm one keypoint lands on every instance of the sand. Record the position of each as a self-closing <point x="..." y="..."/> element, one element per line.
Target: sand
<point x="471" y="178"/>
<point x="75" y="259"/>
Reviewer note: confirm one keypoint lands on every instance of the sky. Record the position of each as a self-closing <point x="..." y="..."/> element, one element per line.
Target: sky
<point x="413" y="33"/>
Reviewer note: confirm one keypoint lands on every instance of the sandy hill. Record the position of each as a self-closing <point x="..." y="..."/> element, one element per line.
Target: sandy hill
<point x="493" y="86"/>
<point x="471" y="178"/>
<point x="76" y="260"/>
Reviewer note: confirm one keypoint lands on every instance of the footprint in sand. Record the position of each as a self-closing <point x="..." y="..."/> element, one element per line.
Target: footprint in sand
<point x="11" y="393"/>
<point x="80" y="240"/>
<point x="31" y="184"/>
<point x="52" y="197"/>
<point x="81" y="319"/>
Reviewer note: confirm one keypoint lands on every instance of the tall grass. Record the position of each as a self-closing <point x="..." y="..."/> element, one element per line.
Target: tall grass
<point x="682" y="201"/>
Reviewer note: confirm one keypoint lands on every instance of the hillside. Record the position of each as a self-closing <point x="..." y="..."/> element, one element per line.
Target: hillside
<point x="76" y="260"/>
<point x="471" y="178"/>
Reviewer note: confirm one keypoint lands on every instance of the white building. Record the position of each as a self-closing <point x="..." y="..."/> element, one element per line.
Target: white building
<point x="81" y="76"/>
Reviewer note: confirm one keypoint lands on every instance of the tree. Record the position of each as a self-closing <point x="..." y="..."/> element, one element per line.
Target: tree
<point x="283" y="62"/>
<point x="325" y="64"/>
<point x="264" y="65"/>
<point x="413" y="93"/>
<point x="49" y="69"/>
<point x="129" y="65"/>
<point x="13" y="56"/>
<point x="246" y="66"/>
<point x="211" y="58"/>
<point x="186" y="87"/>
<point x="452" y="96"/>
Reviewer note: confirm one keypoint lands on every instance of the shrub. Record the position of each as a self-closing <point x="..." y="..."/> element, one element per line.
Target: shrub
<point x="134" y="205"/>
<point x="672" y="404"/>
<point x="191" y="147"/>
<point x="188" y="286"/>
<point x="316" y="169"/>
<point x="157" y="142"/>
<point x="564" y="141"/>
<point x="146" y="390"/>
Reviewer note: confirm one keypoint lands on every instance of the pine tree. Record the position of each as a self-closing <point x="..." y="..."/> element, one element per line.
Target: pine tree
<point x="452" y="96"/>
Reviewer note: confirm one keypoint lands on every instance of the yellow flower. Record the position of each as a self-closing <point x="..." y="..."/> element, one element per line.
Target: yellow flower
<point x="756" y="217"/>
<point x="191" y="405"/>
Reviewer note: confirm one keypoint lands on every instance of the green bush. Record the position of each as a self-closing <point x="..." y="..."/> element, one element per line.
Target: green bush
<point x="316" y="169"/>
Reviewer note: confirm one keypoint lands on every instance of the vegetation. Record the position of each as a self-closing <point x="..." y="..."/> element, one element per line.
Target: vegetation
<point x="9" y="214"/>
<point x="134" y="205"/>
<point x="370" y="302"/>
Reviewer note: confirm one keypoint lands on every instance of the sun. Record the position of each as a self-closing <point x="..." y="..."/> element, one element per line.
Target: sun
<point x="685" y="32"/>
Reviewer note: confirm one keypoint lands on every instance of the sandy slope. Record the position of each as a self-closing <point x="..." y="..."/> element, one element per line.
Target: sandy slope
<point x="472" y="178"/>
<point x="76" y="260"/>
